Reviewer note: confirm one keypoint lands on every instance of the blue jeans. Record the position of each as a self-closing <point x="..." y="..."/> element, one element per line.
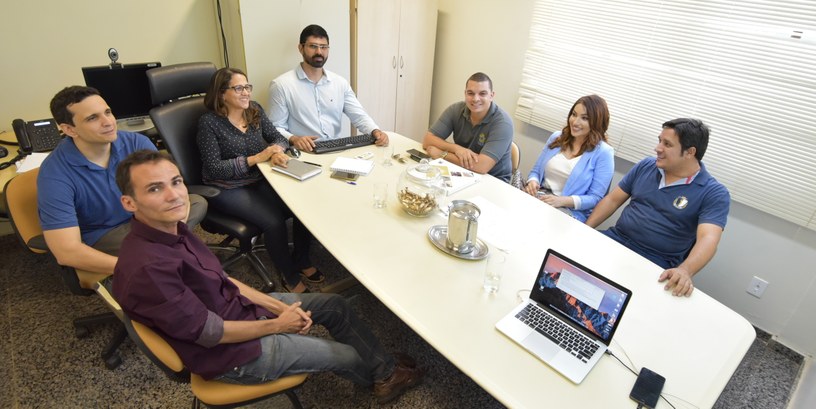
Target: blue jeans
<point x="261" y="206"/>
<point x="355" y="353"/>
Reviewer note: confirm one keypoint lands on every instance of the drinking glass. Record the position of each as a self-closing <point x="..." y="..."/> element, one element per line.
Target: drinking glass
<point x="379" y="195"/>
<point x="493" y="271"/>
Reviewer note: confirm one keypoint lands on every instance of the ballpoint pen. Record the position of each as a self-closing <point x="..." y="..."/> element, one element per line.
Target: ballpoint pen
<point x="315" y="164"/>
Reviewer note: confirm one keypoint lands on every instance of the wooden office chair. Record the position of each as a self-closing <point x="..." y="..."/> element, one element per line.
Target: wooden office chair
<point x="178" y="89"/>
<point x="213" y="394"/>
<point x="515" y="156"/>
<point x="515" y="160"/>
<point x="21" y="203"/>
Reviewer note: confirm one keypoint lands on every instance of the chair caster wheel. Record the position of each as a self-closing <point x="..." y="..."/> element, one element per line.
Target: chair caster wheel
<point x="81" y="331"/>
<point x="113" y="361"/>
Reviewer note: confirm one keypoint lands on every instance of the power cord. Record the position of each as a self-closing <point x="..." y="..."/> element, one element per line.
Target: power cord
<point x="609" y="352"/>
<point x="223" y="36"/>
<point x="7" y="142"/>
<point x="10" y="161"/>
<point x="628" y="358"/>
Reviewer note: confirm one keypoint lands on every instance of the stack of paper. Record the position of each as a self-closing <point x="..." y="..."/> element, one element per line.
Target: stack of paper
<point x="352" y="165"/>
<point x="455" y="178"/>
<point x="32" y="161"/>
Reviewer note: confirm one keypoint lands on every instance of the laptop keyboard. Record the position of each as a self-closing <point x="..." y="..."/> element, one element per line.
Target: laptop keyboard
<point x="331" y="145"/>
<point x="568" y="338"/>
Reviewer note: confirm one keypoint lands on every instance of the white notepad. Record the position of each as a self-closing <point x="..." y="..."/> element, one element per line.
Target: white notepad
<point x="352" y="165"/>
<point x="298" y="169"/>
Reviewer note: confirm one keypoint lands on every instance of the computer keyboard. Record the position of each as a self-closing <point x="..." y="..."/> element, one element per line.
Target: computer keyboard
<point x="331" y="145"/>
<point x="568" y="338"/>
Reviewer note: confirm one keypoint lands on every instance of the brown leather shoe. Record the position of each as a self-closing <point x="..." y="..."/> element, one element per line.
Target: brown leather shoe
<point x="402" y="379"/>
<point x="405" y="359"/>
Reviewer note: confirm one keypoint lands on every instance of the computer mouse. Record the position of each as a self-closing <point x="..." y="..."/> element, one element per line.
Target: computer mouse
<point x="293" y="152"/>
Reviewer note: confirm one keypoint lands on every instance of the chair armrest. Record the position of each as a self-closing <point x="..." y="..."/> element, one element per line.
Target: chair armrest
<point x="208" y="192"/>
<point x="103" y="289"/>
<point x="38" y="242"/>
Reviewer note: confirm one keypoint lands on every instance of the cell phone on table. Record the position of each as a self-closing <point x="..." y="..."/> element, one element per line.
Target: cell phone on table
<point x="418" y="155"/>
<point x="647" y="388"/>
<point x="347" y="176"/>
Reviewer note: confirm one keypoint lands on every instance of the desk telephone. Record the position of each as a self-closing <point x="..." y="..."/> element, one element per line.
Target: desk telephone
<point x="36" y="136"/>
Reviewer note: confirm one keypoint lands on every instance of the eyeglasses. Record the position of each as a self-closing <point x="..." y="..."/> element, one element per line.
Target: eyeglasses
<point x="315" y="47"/>
<point x="240" y="88"/>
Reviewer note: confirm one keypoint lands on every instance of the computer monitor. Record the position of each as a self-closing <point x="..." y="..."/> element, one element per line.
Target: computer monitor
<point x="124" y="88"/>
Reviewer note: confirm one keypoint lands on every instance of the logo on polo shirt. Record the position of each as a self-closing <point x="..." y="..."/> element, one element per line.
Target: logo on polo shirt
<point x="680" y="202"/>
<point x="482" y="138"/>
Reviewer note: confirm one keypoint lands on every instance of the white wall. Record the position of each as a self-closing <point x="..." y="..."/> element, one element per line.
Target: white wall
<point x="782" y="253"/>
<point x="45" y="43"/>
<point x="490" y="36"/>
<point x="263" y="35"/>
<point x="486" y="36"/>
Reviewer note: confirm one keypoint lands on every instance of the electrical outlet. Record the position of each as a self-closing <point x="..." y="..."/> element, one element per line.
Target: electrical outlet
<point x="757" y="287"/>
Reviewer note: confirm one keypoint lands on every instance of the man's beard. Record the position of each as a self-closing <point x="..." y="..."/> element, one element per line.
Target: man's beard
<point x="316" y="64"/>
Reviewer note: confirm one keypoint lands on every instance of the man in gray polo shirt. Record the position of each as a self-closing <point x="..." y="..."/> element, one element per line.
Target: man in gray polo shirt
<point x="482" y="132"/>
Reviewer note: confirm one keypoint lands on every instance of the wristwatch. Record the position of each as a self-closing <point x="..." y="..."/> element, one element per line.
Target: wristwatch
<point x="444" y="153"/>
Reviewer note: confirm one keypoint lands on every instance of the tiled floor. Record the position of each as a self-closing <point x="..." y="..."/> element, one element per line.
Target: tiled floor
<point x="804" y="397"/>
<point x="765" y="378"/>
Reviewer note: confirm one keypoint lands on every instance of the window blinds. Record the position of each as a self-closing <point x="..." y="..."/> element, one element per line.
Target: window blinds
<point x="746" y="68"/>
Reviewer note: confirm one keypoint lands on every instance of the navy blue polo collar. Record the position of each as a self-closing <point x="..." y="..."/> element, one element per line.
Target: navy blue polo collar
<point x="77" y="159"/>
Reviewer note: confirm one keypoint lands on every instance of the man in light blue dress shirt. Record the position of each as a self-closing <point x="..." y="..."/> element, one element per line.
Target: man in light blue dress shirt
<point x="308" y="103"/>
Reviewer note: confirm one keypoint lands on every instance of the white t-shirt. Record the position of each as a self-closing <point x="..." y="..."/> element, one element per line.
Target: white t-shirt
<point x="557" y="170"/>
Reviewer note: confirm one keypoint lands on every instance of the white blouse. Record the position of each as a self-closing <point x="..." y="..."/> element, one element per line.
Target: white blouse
<point x="557" y="170"/>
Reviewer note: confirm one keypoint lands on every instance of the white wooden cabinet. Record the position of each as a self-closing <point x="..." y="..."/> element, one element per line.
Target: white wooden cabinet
<point x="394" y="43"/>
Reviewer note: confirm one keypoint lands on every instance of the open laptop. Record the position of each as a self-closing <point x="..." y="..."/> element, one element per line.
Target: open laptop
<point x="575" y="312"/>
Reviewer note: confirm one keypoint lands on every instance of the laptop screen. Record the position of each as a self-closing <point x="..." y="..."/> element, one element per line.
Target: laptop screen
<point x="580" y="295"/>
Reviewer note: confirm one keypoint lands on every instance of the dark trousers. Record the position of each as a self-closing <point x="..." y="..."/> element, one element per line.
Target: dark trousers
<point x="260" y="205"/>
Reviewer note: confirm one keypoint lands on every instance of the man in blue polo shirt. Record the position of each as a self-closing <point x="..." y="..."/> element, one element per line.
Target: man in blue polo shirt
<point x="678" y="210"/>
<point x="80" y="212"/>
<point x="482" y="132"/>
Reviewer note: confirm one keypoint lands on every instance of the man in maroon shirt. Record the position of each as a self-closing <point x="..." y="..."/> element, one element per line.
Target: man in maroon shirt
<point x="166" y="278"/>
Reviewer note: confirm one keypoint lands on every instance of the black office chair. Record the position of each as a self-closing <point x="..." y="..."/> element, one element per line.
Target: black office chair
<point x="21" y="203"/>
<point x="178" y="90"/>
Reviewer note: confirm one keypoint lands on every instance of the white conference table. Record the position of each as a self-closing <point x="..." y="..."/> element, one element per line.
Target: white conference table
<point x="695" y="342"/>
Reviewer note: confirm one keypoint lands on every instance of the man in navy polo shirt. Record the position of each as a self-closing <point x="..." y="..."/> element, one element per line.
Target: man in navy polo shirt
<point x="81" y="216"/>
<point x="678" y="210"/>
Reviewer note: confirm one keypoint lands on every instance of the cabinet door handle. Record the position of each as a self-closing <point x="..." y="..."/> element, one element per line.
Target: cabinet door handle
<point x="394" y="62"/>
<point x="401" y="62"/>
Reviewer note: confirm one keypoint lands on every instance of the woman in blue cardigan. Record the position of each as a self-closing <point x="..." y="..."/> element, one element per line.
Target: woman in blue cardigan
<point x="575" y="168"/>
